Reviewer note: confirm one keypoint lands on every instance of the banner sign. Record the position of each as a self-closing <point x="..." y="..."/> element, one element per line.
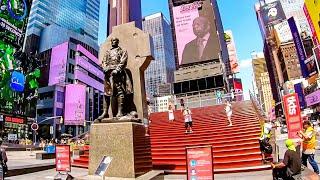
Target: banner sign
<point x="283" y="32"/>
<point x="75" y="104"/>
<point x="299" y="46"/>
<point x="293" y="115"/>
<point x="313" y="98"/>
<point x="272" y="13"/>
<point x="299" y="90"/>
<point x="199" y="163"/>
<point x="63" y="159"/>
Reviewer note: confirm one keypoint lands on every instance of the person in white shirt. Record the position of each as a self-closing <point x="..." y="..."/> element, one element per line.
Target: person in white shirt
<point x="170" y="113"/>
<point x="187" y="120"/>
<point x="228" y="110"/>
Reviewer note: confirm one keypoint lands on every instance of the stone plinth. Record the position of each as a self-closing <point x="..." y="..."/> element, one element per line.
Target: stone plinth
<point x="125" y="143"/>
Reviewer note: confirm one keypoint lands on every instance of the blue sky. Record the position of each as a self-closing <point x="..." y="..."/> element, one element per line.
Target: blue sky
<point x="238" y="17"/>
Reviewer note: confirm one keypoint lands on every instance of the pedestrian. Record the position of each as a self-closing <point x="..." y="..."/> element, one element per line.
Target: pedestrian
<point x="3" y="159"/>
<point x="187" y="120"/>
<point x="228" y="110"/>
<point x="182" y="104"/>
<point x="265" y="136"/>
<point x="308" y="136"/>
<point x="170" y="113"/>
<point x="232" y="95"/>
<point x="290" y="167"/>
<point x="219" y="97"/>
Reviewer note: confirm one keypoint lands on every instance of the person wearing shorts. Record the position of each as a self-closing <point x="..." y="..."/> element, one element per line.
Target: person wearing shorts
<point x="187" y="120"/>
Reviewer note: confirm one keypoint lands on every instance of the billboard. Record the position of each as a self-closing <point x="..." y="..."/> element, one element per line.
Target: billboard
<point x="283" y="32"/>
<point x="313" y="98"/>
<point x="75" y="100"/>
<point x="58" y="64"/>
<point x="228" y="36"/>
<point x="272" y="13"/>
<point x="196" y="33"/>
<point x="293" y="115"/>
<point x="13" y="19"/>
<point x="312" y="11"/>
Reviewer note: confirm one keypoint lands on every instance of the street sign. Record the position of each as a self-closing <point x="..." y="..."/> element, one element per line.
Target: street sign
<point x="63" y="159"/>
<point x="34" y="126"/>
<point x="199" y="163"/>
<point x="103" y="166"/>
<point x="51" y="129"/>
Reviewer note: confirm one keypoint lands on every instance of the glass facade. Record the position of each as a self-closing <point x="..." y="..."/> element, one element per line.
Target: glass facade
<point x="161" y="70"/>
<point x="81" y="16"/>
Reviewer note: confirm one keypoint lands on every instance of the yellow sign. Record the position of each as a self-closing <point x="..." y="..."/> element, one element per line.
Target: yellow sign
<point x="273" y="103"/>
<point x="313" y="7"/>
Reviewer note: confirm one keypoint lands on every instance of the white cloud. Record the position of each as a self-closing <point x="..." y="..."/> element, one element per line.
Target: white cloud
<point x="245" y="63"/>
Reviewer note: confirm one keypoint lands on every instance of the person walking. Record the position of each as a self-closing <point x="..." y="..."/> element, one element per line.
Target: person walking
<point x="170" y="113"/>
<point x="265" y="136"/>
<point x="228" y="110"/>
<point x="308" y="136"/>
<point x="219" y="97"/>
<point x="232" y="95"/>
<point x="3" y="159"/>
<point x="187" y="120"/>
<point x="290" y="167"/>
<point x="182" y="104"/>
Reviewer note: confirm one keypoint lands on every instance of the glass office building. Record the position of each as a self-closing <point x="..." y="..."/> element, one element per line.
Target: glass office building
<point x="161" y="70"/>
<point x="81" y="16"/>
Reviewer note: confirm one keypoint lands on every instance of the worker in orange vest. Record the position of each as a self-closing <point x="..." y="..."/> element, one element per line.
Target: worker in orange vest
<point x="308" y="135"/>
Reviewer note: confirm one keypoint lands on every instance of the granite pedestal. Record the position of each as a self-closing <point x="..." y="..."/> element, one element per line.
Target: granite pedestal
<point x="126" y="143"/>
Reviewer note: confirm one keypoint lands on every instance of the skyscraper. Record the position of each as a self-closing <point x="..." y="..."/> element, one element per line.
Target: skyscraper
<point x="81" y="16"/>
<point x="160" y="71"/>
<point x="123" y="11"/>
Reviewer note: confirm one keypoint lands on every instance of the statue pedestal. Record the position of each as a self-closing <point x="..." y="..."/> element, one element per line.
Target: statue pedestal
<point x="126" y="143"/>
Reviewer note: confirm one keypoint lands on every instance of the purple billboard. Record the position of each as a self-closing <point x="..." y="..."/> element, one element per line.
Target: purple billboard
<point x="313" y="98"/>
<point x="80" y="61"/>
<point x="75" y="100"/>
<point x="58" y="64"/>
<point x="196" y="33"/>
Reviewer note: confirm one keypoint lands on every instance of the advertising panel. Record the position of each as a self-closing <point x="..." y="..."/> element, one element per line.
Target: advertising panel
<point x="196" y="33"/>
<point x="299" y="90"/>
<point x="63" y="159"/>
<point x="283" y="32"/>
<point x="199" y="163"/>
<point x="74" y="113"/>
<point x="299" y="46"/>
<point x="293" y="115"/>
<point x="272" y="13"/>
<point x="85" y="78"/>
<point x="313" y="15"/>
<point x="312" y="27"/>
<point x="89" y="67"/>
<point x="87" y="54"/>
<point x="235" y="68"/>
<point x="313" y="98"/>
<point x="13" y="19"/>
<point x="58" y="64"/>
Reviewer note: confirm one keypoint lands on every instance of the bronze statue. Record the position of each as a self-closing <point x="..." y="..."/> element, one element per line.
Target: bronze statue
<point x="118" y="83"/>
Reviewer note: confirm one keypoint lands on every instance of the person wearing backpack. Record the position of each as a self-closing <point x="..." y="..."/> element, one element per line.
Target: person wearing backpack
<point x="3" y="159"/>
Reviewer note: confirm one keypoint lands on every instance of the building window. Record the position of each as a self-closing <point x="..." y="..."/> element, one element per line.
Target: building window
<point x="70" y="81"/>
<point x="72" y="54"/>
<point x="60" y="96"/>
<point x="59" y="111"/>
<point x="71" y="68"/>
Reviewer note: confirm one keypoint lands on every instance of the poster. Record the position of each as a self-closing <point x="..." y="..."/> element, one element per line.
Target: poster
<point x="63" y="159"/>
<point x="199" y="163"/>
<point x="272" y="13"/>
<point x="293" y="115"/>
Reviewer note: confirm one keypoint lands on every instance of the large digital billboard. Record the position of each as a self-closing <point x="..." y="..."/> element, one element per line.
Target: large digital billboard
<point x="312" y="11"/>
<point x="74" y="112"/>
<point x="196" y="32"/>
<point x="272" y="13"/>
<point x="58" y="64"/>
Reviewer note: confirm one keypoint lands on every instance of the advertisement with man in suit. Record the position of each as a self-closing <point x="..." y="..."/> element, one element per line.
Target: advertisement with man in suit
<point x="196" y="33"/>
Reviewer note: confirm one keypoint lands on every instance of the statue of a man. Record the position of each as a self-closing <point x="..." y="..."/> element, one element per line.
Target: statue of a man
<point x="118" y="82"/>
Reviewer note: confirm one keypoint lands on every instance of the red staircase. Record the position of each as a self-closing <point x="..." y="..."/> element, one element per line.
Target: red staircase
<point x="83" y="160"/>
<point x="235" y="149"/>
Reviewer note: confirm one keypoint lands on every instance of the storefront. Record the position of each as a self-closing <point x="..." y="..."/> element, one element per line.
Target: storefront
<point x="15" y="128"/>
